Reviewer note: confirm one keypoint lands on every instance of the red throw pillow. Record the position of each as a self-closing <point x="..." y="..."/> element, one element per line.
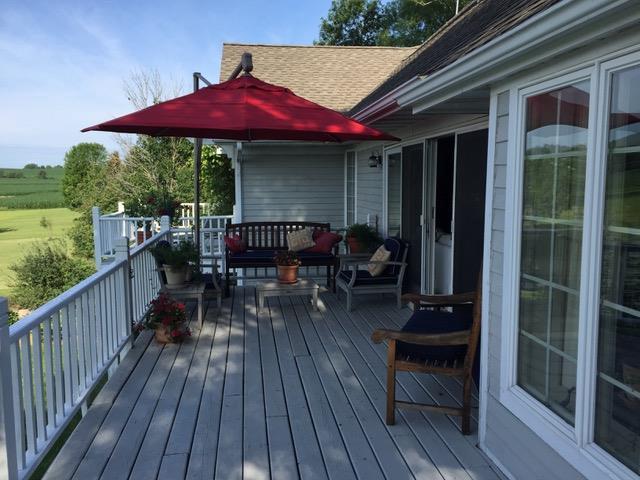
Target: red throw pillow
<point x="235" y="244"/>
<point x="325" y="241"/>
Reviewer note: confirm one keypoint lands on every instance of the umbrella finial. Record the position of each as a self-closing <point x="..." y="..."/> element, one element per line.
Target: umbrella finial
<point x="245" y="66"/>
<point x="247" y="63"/>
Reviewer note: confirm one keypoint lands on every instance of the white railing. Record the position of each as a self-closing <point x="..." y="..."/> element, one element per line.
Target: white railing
<point x="52" y="359"/>
<point x="107" y="229"/>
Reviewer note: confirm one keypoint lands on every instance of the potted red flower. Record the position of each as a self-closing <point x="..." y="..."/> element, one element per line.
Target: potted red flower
<point x="168" y="318"/>
<point x="287" y="263"/>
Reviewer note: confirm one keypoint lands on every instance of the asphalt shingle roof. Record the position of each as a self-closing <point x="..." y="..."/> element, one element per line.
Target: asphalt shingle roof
<point x="479" y="23"/>
<point x="336" y="77"/>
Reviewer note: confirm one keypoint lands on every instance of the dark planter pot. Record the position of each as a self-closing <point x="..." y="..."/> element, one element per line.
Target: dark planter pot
<point x="287" y="274"/>
<point x="355" y="246"/>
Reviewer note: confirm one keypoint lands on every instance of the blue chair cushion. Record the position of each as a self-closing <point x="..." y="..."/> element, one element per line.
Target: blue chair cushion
<point x="434" y="322"/>
<point x="363" y="277"/>
<point x="397" y="247"/>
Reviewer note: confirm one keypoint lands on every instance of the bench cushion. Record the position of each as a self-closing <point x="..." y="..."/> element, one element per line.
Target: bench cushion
<point x="265" y="257"/>
<point x="363" y="277"/>
<point x="434" y="322"/>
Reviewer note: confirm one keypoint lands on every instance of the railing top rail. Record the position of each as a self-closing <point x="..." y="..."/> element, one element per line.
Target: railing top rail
<point x="119" y="219"/>
<point x="36" y="317"/>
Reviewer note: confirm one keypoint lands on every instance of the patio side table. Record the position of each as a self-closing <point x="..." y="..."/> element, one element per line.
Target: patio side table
<point x="277" y="289"/>
<point x="189" y="291"/>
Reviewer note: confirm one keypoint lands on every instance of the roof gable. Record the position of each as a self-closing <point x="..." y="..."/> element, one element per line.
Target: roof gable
<point x="336" y="77"/>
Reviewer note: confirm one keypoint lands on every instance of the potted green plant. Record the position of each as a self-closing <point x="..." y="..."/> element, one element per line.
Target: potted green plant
<point x="287" y="263"/>
<point x="168" y="319"/>
<point x="362" y="238"/>
<point x="177" y="261"/>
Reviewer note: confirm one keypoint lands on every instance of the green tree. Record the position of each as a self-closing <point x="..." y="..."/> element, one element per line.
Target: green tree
<point x="352" y="22"/>
<point x="83" y="163"/>
<point x="30" y="166"/>
<point x="395" y="23"/>
<point x="217" y="180"/>
<point x="44" y="272"/>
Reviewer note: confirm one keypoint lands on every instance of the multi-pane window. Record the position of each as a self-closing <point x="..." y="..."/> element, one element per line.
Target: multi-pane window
<point x="551" y="238"/>
<point x="617" y="425"/>
<point x="571" y="167"/>
<point x="394" y="193"/>
<point x="350" y="186"/>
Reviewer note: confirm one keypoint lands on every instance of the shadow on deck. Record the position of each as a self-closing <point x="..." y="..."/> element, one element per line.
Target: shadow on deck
<point x="284" y="393"/>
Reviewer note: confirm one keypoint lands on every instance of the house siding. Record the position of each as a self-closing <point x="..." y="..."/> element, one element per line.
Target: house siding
<point x="521" y="452"/>
<point x="369" y="191"/>
<point x="303" y="183"/>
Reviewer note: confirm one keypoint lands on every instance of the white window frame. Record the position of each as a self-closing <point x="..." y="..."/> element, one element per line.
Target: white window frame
<point x="355" y="186"/>
<point x="576" y="445"/>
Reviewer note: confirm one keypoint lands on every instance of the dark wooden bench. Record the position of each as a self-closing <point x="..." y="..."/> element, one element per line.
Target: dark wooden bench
<point x="265" y="239"/>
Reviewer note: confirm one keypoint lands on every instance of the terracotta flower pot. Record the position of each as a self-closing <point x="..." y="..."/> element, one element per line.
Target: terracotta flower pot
<point x="355" y="246"/>
<point x="143" y="235"/>
<point x="287" y="274"/>
<point x="163" y="335"/>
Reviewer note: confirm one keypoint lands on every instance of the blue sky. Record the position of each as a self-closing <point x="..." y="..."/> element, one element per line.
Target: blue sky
<point x="63" y="63"/>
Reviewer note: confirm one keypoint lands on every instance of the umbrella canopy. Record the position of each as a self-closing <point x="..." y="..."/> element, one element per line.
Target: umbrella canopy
<point x="245" y="109"/>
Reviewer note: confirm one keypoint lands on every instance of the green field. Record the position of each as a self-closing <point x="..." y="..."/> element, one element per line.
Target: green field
<point x="31" y="191"/>
<point x="18" y="228"/>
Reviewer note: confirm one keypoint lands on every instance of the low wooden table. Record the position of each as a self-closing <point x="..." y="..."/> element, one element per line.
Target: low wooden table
<point x="193" y="290"/>
<point x="277" y="289"/>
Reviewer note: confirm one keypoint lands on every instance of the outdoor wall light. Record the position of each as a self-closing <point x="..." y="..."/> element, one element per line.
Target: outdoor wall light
<point x="375" y="160"/>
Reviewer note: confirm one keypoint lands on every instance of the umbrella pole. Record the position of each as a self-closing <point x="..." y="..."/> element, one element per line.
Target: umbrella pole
<point x="197" y="156"/>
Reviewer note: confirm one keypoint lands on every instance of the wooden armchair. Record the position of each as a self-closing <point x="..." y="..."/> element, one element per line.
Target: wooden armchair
<point x="356" y="281"/>
<point x="438" y="342"/>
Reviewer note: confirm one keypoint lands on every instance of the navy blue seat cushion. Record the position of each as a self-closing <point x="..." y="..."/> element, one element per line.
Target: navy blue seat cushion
<point x="397" y="247"/>
<point x="363" y="277"/>
<point x="266" y="257"/>
<point x="434" y="322"/>
<point x="315" y="256"/>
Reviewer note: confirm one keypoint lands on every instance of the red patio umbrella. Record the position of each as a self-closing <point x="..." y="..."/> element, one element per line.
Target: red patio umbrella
<point x="246" y="109"/>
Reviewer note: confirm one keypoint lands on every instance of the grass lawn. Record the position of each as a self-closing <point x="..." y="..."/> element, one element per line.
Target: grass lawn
<point x="18" y="228"/>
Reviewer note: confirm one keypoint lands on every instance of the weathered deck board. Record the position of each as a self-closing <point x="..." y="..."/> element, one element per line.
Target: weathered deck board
<point x="284" y="393"/>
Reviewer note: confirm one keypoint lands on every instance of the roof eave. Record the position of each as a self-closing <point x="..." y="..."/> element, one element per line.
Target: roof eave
<point x="505" y="54"/>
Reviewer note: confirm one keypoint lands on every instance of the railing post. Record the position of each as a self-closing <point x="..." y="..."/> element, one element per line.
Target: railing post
<point x="122" y="254"/>
<point x="97" y="243"/>
<point x="120" y="207"/>
<point x="165" y="223"/>
<point x="8" y="455"/>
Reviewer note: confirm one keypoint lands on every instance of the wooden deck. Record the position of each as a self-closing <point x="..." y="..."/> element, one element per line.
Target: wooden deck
<point x="286" y="393"/>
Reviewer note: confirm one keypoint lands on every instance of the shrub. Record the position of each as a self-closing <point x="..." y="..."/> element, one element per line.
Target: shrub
<point x="44" y="272"/>
<point x="81" y="235"/>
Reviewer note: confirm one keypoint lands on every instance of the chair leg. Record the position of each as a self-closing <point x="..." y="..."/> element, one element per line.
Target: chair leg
<point x="391" y="383"/>
<point x="227" y="290"/>
<point x="466" y="406"/>
<point x="399" y="299"/>
<point x="349" y="300"/>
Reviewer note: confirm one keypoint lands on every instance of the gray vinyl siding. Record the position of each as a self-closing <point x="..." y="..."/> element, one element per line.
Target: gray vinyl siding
<point x="293" y="183"/>
<point x="369" y="190"/>
<point x="510" y="441"/>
